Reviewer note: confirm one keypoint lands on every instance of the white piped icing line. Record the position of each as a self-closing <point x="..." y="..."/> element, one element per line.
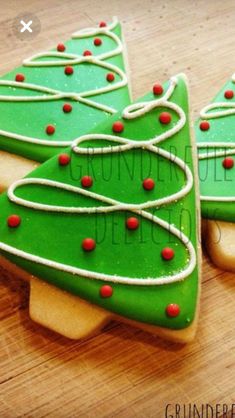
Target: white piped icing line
<point x="49" y="94"/>
<point x="229" y="147"/>
<point x="111" y="205"/>
<point x="68" y="59"/>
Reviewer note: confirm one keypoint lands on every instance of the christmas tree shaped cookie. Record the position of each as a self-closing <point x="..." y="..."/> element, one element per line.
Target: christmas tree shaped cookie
<point x="216" y="150"/>
<point x="108" y="228"/>
<point x="58" y="95"/>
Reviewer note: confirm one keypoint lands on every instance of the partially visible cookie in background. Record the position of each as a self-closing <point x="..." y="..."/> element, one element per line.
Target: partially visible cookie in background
<point x="58" y="95"/>
<point x="215" y="135"/>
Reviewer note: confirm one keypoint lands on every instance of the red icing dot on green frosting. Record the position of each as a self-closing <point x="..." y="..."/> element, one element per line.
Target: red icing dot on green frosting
<point x="132" y="223"/>
<point x="61" y="48"/>
<point x="64" y="159"/>
<point x="19" y="77"/>
<point x="86" y="181"/>
<point x="67" y="108"/>
<point x="204" y="125"/>
<point x="172" y="310"/>
<point x="165" y="118"/>
<point x="148" y="184"/>
<point x="102" y="24"/>
<point x="106" y="291"/>
<point x="167" y="253"/>
<point x="13" y="221"/>
<point x="228" y="163"/>
<point x="50" y="129"/>
<point x="97" y="41"/>
<point x="88" y="244"/>
<point x="87" y="53"/>
<point x="118" y="127"/>
<point x="68" y="70"/>
<point x="110" y="77"/>
<point x="157" y="89"/>
<point x="228" y="94"/>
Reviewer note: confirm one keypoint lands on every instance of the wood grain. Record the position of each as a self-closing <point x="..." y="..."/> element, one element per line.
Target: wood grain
<point x="124" y="372"/>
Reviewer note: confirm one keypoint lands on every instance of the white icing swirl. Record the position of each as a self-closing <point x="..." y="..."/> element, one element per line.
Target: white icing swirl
<point x="228" y="147"/>
<point x="49" y="94"/>
<point x="215" y="153"/>
<point x="68" y="59"/>
<point x="131" y="112"/>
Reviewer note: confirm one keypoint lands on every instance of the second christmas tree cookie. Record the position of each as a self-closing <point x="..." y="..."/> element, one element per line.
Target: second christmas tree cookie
<point x="58" y="95"/>
<point x="216" y="151"/>
<point x="109" y="227"/>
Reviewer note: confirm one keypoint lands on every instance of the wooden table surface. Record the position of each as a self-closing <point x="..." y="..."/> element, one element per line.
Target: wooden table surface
<point x="125" y="372"/>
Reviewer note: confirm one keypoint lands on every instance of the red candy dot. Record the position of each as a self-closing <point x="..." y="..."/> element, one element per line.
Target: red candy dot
<point x="102" y="24"/>
<point x="67" y="108"/>
<point x="19" y="77"/>
<point x="118" y="127"/>
<point x="228" y="94"/>
<point x="172" y="310"/>
<point x="88" y="244"/>
<point x="110" y="77"/>
<point x="86" y="181"/>
<point x="165" y="118"/>
<point x="204" y="125"/>
<point x="132" y="223"/>
<point x="167" y="253"/>
<point x="68" y="70"/>
<point x="61" y="48"/>
<point x="64" y="159"/>
<point x="97" y="41"/>
<point x="228" y="162"/>
<point x="87" y="53"/>
<point x="13" y="221"/>
<point x="148" y="184"/>
<point x="157" y="89"/>
<point x="50" y="129"/>
<point x="106" y="291"/>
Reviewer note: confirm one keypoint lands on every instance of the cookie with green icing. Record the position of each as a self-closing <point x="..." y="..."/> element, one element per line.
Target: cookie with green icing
<point x="113" y="219"/>
<point x="58" y="95"/>
<point x="216" y="152"/>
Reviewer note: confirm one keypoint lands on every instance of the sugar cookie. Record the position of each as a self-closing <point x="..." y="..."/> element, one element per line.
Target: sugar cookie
<point x="109" y="228"/>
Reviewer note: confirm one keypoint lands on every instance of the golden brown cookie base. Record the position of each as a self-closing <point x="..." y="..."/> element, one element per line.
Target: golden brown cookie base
<point x="220" y="242"/>
<point x="12" y="168"/>
<point x="63" y="312"/>
<point x="75" y="318"/>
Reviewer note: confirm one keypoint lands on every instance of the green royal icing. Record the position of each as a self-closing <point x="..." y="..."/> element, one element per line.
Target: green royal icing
<point x="31" y="118"/>
<point x="121" y="252"/>
<point x="216" y="182"/>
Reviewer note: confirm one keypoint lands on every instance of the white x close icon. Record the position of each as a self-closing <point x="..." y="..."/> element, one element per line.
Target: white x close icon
<point x="26" y="26"/>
